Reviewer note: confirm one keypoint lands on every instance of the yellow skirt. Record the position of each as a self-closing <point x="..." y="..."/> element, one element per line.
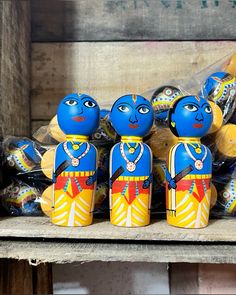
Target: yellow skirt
<point x="188" y="206"/>
<point x="73" y="199"/>
<point x="130" y="202"/>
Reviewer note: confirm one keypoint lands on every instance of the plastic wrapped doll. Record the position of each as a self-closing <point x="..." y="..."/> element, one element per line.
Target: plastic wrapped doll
<point x="131" y="162"/>
<point x="161" y="101"/>
<point x="220" y="88"/>
<point x="189" y="164"/>
<point x="20" y="198"/>
<point x="21" y="153"/>
<point x="75" y="165"/>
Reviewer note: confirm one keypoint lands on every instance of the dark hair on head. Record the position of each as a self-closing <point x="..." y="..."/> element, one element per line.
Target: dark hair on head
<point x="172" y="110"/>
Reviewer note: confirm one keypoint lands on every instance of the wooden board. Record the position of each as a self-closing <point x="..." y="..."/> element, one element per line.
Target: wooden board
<point x="15" y="277"/>
<point x="20" y="277"/>
<point x="133" y="20"/>
<point x="65" y="252"/>
<point x="14" y="67"/>
<point x="40" y="227"/>
<point x="107" y="70"/>
<point x="217" y="279"/>
<point x="42" y="278"/>
<point x="202" y="278"/>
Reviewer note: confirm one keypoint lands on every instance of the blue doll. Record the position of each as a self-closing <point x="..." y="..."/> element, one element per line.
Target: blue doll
<point x="131" y="162"/>
<point x="189" y="164"/>
<point x="75" y="165"/>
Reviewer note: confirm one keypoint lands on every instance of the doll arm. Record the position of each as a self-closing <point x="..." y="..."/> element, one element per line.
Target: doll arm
<point x="60" y="169"/>
<point x="91" y="179"/>
<point x="115" y="175"/>
<point x="170" y="180"/>
<point x="147" y="182"/>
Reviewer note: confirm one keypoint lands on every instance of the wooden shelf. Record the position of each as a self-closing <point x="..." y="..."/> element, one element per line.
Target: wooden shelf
<point x="41" y="227"/>
<point x="35" y="238"/>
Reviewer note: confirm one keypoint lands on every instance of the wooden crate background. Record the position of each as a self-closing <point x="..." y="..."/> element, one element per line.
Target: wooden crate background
<point x="105" y="48"/>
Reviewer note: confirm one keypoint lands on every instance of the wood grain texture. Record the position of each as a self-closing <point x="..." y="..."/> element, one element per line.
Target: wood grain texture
<point x="15" y="277"/>
<point x="14" y="67"/>
<point x="42" y="279"/>
<point x="217" y="279"/>
<point x="41" y="227"/>
<point x="107" y="70"/>
<point x="184" y="278"/>
<point x="84" y="20"/>
<point x="66" y="252"/>
<point x="202" y="278"/>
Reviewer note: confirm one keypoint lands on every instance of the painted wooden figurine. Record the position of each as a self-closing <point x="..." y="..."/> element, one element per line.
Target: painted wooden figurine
<point x="131" y="162"/>
<point x="75" y="165"/>
<point x="189" y="164"/>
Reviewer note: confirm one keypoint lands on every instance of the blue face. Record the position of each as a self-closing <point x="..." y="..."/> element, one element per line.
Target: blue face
<point x="190" y="116"/>
<point x="78" y="114"/>
<point x="132" y="115"/>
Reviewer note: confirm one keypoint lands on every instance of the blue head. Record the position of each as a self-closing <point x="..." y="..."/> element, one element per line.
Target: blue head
<point x="132" y="115"/>
<point x="78" y="114"/>
<point x="190" y="116"/>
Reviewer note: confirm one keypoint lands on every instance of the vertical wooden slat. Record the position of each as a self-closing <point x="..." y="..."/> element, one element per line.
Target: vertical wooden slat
<point x="42" y="279"/>
<point x="14" y="67"/>
<point x="217" y="279"/>
<point x="15" y="277"/>
<point x="183" y="278"/>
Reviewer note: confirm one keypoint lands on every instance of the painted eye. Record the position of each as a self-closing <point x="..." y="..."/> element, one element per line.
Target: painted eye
<point x="226" y="195"/>
<point x="123" y="109"/>
<point x="89" y="104"/>
<point x="208" y="109"/>
<point x="71" y="102"/>
<point x="232" y="92"/>
<point x="168" y="92"/>
<point x="190" y="108"/>
<point x="144" y="110"/>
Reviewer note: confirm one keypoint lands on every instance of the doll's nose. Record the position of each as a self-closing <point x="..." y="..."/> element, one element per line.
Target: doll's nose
<point x="133" y="119"/>
<point x="199" y="116"/>
<point x="79" y="110"/>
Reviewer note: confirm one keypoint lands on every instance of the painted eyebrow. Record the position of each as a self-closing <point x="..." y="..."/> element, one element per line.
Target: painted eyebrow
<point x="86" y="97"/>
<point x="71" y="98"/>
<point x="193" y="103"/>
<point x="122" y="103"/>
<point x="204" y="104"/>
<point x="143" y="105"/>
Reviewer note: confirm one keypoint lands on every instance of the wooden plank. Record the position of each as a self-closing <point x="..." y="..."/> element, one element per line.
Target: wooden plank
<point x="42" y="279"/>
<point x="217" y="279"/>
<point x="202" y="278"/>
<point x="107" y="70"/>
<point x="183" y="278"/>
<point x="158" y="230"/>
<point x="15" y="277"/>
<point x="65" y="252"/>
<point x="14" y="67"/>
<point x="133" y="19"/>
<point x="115" y="278"/>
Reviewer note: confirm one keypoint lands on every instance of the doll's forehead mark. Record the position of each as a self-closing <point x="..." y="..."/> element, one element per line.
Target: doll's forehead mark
<point x="134" y="98"/>
<point x="197" y="98"/>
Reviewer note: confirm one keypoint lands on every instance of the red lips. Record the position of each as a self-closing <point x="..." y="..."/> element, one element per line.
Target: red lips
<point x="198" y="125"/>
<point x="133" y="126"/>
<point x="78" y="118"/>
